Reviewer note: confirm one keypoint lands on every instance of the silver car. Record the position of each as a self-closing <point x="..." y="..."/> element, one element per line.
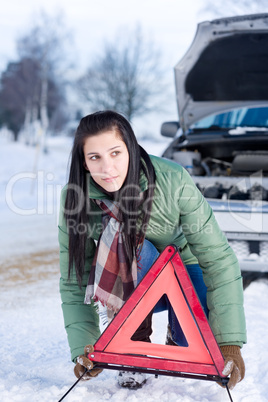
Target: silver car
<point x="221" y="136"/>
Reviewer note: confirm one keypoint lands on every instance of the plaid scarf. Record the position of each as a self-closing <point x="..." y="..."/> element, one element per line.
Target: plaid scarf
<point x="110" y="281"/>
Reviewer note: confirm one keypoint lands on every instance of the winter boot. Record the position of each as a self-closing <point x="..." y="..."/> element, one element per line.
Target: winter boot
<point x="131" y="380"/>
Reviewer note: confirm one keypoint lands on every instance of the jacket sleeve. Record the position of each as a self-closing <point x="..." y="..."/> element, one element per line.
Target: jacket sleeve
<point x="218" y="262"/>
<point x="81" y="320"/>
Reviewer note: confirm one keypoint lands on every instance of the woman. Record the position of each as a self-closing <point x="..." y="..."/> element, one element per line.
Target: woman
<point x="134" y="205"/>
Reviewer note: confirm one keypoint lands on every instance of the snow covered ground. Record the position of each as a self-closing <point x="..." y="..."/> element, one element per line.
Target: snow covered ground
<point x="35" y="360"/>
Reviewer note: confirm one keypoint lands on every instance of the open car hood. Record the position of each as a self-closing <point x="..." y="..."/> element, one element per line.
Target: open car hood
<point x="226" y="67"/>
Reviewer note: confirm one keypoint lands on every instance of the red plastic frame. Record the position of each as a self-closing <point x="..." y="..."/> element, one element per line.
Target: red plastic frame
<point x="169" y="276"/>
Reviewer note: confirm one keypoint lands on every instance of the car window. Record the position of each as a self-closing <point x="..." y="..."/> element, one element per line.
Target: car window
<point x="245" y="117"/>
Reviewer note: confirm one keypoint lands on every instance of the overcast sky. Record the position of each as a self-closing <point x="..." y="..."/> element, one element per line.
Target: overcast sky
<point x="169" y="23"/>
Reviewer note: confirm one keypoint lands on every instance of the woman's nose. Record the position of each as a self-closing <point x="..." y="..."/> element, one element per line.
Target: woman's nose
<point x="106" y="165"/>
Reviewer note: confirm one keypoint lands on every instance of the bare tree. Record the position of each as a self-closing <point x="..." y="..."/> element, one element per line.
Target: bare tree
<point x="20" y="96"/>
<point x="230" y="8"/>
<point x="44" y="43"/>
<point x="19" y="93"/>
<point x="126" y="77"/>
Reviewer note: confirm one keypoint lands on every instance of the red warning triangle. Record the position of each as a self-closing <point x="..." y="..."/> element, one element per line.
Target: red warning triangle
<point x="201" y="357"/>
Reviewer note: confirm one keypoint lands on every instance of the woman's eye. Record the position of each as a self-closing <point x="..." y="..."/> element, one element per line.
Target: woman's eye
<point x="115" y="153"/>
<point x="94" y="157"/>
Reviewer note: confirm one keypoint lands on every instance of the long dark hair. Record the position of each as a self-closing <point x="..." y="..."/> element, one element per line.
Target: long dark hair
<point x="77" y="205"/>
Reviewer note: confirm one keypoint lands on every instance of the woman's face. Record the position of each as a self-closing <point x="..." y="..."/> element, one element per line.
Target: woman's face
<point x="107" y="159"/>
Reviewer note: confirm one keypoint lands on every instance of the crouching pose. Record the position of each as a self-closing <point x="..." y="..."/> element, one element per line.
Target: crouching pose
<point x="120" y="208"/>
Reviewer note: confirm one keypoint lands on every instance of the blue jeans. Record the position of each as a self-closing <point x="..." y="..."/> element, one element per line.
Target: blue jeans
<point x="148" y="256"/>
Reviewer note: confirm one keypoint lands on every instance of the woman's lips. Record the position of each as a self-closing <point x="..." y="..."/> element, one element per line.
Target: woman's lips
<point x="110" y="179"/>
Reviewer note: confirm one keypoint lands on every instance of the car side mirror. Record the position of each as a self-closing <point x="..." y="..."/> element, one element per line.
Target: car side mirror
<point x="170" y="128"/>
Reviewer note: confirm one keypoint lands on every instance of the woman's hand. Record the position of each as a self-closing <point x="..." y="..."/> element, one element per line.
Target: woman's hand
<point x="82" y="363"/>
<point x="233" y="364"/>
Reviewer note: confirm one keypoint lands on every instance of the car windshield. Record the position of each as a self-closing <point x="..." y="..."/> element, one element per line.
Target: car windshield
<point x="245" y="117"/>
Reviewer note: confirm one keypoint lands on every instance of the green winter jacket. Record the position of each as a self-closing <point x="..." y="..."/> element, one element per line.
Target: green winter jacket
<point x="181" y="216"/>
